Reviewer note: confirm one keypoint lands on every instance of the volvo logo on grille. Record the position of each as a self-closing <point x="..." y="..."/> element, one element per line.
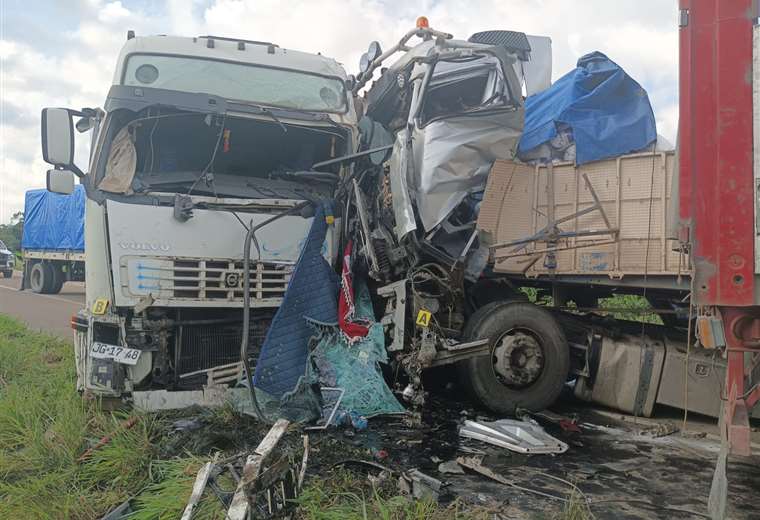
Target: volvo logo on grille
<point x="231" y="279"/>
<point x="145" y="246"/>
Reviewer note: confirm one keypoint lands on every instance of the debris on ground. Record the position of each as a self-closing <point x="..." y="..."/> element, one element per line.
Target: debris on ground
<point x="524" y="436"/>
<point x="421" y="486"/>
<point x="450" y="467"/>
<point x="661" y="430"/>
<point x="198" y="488"/>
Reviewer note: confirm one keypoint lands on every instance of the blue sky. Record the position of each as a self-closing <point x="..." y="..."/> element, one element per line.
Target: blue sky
<point x="62" y="53"/>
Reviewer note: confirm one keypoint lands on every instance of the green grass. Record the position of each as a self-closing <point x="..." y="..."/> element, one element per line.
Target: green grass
<point x="45" y="427"/>
<point x="345" y="495"/>
<point x="629" y="307"/>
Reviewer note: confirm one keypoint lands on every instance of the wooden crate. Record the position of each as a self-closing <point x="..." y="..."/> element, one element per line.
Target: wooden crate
<point x="634" y="192"/>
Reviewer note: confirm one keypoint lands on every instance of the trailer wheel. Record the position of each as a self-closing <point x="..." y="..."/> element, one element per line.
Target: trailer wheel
<point x="57" y="278"/>
<point x="40" y="277"/>
<point x="529" y="361"/>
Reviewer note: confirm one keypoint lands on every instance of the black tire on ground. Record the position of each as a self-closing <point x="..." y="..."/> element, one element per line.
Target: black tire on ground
<point x="502" y="322"/>
<point x="58" y="277"/>
<point x="7" y="274"/>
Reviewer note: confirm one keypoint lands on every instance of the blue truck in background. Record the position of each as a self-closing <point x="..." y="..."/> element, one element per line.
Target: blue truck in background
<point x="52" y="241"/>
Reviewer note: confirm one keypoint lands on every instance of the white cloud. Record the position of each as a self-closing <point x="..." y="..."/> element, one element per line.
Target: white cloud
<point x="112" y="12"/>
<point x="640" y="35"/>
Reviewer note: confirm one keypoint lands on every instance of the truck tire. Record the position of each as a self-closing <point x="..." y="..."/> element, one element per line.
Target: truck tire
<point x="529" y="361"/>
<point x="40" y="277"/>
<point x="58" y="277"/>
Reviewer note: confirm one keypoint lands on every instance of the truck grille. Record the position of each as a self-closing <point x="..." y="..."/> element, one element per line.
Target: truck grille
<point x="204" y="280"/>
<point x="223" y="280"/>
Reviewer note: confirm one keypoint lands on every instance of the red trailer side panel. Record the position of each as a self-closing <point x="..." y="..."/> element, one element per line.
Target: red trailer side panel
<point x="716" y="183"/>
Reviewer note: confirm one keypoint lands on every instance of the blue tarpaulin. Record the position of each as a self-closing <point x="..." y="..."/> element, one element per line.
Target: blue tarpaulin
<point x="312" y="294"/>
<point x="53" y="221"/>
<point x="607" y="111"/>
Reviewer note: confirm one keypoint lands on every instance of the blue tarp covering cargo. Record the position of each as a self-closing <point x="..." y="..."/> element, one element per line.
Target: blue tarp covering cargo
<point x="606" y="112"/>
<point x="53" y="221"/>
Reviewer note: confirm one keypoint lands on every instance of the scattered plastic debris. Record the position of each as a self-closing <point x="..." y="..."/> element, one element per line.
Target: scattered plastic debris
<point x="521" y="436"/>
<point x="450" y="467"/>
<point x="420" y="485"/>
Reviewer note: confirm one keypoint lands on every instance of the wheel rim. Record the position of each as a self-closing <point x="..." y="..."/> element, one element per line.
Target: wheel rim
<point x="518" y="358"/>
<point x="36" y="280"/>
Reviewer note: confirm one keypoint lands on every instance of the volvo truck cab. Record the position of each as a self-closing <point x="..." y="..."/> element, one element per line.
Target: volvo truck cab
<point x="199" y="139"/>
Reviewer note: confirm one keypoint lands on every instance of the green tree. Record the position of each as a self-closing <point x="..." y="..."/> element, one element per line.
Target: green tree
<point x="10" y="233"/>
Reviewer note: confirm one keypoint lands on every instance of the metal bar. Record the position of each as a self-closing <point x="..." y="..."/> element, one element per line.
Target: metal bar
<point x="618" y="210"/>
<point x="664" y="213"/>
<point x="200" y="484"/>
<point x="548" y="250"/>
<point x="576" y="201"/>
<point x="239" y="506"/>
<point x="565" y="234"/>
<point x="597" y="204"/>
<point x="460" y="352"/>
<point x="550" y="196"/>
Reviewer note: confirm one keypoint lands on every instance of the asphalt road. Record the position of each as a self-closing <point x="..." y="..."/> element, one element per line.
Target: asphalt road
<point x="46" y="312"/>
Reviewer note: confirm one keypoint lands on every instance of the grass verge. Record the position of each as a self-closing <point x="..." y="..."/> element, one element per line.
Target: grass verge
<point x="46" y="427"/>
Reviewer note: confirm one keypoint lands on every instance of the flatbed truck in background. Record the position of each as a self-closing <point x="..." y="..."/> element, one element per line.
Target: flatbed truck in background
<point x="52" y="242"/>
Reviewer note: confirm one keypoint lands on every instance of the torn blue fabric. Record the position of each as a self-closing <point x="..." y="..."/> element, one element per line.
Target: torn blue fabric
<point x="608" y="111"/>
<point x="311" y="294"/>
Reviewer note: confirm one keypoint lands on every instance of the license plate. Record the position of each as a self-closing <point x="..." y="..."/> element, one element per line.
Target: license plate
<point x="125" y="355"/>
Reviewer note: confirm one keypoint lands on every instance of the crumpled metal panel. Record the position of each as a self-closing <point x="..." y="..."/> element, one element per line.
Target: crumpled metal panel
<point x="402" y="203"/>
<point x="453" y="157"/>
<point x="524" y="436"/>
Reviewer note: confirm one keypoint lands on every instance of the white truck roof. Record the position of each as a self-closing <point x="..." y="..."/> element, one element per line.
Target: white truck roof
<point x="263" y="54"/>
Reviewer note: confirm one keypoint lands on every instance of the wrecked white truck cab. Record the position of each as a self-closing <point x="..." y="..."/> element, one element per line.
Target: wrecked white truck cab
<point x="199" y="140"/>
<point x="453" y="107"/>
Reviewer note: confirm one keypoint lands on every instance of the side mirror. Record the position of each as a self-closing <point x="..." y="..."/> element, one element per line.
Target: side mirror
<point x="60" y="181"/>
<point x="57" y="137"/>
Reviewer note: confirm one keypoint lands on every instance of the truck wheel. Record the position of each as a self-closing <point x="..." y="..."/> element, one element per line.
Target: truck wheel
<point x="57" y="279"/>
<point x="39" y="277"/>
<point x="529" y="361"/>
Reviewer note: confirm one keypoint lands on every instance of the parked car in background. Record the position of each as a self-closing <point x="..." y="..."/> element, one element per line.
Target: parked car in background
<point x="7" y="260"/>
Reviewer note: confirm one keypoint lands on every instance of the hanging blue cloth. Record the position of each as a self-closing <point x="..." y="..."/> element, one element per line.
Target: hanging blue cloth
<point x="607" y="111"/>
<point x="311" y="295"/>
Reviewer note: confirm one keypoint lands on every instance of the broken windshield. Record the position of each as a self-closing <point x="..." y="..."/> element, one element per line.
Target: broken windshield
<point x="459" y="87"/>
<point x="236" y="81"/>
<point x="180" y="151"/>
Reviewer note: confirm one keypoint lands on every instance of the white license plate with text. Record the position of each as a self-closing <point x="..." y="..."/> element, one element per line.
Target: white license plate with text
<point x="126" y="355"/>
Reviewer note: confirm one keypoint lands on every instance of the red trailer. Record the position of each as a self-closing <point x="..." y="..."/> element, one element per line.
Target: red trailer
<point x="718" y="199"/>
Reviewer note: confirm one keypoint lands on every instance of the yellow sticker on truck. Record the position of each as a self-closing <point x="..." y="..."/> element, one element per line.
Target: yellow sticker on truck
<point x="423" y="318"/>
<point x="100" y="306"/>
